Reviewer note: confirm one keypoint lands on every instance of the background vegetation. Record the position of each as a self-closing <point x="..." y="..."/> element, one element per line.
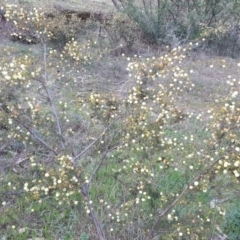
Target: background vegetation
<point x="119" y="120"/>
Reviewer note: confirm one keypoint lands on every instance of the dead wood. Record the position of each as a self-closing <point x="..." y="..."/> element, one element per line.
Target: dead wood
<point x="83" y="14"/>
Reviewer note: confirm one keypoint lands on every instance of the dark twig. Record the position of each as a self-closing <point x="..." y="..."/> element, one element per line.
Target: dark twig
<point x="13" y="193"/>
<point x="99" y="164"/>
<point x="34" y="135"/>
<point x="115" y="3"/>
<point x="2" y="148"/>
<point x="92" y="143"/>
<point x="50" y="98"/>
<point x="166" y="211"/>
<point x="93" y="214"/>
<point x="97" y="168"/>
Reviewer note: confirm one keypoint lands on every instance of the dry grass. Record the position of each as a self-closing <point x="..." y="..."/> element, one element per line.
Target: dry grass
<point x="210" y="75"/>
<point x="97" y="5"/>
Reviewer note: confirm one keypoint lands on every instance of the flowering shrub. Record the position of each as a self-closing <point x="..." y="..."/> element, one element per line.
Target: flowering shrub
<point x="133" y="165"/>
<point x="31" y="25"/>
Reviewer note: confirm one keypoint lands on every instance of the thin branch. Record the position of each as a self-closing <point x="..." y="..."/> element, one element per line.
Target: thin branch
<point x="50" y="98"/>
<point x="158" y="18"/>
<point x="115" y="3"/>
<point x="99" y="164"/>
<point x="84" y="191"/>
<point x="123" y="3"/>
<point x="13" y="192"/>
<point x="97" y="168"/>
<point x="35" y="136"/>
<point x="2" y="148"/>
<point x="93" y="214"/>
<point x="221" y="236"/>
<point x="92" y="143"/>
<point x="168" y="209"/>
<point x="145" y="5"/>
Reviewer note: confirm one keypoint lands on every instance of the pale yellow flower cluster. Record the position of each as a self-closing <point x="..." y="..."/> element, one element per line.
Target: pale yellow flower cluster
<point x="61" y="183"/>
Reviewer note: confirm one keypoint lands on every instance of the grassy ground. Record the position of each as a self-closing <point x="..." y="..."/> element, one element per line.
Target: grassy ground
<point x="98" y="5"/>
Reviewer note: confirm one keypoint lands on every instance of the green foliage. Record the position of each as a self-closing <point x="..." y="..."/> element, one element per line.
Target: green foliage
<point x="84" y="236"/>
<point x="174" y="22"/>
<point x="121" y="29"/>
<point x="222" y="38"/>
<point x="232" y="222"/>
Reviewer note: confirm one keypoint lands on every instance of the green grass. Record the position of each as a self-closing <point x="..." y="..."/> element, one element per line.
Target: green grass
<point x="26" y="220"/>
